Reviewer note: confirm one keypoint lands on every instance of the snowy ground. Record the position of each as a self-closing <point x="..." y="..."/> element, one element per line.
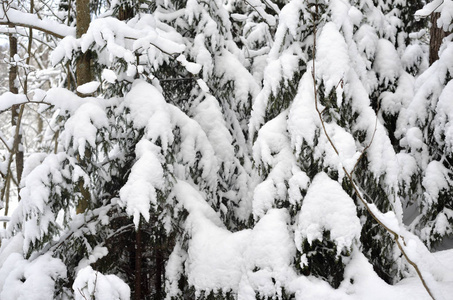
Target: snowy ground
<point x="367" y="285"/>
<point x="411" y="288"/>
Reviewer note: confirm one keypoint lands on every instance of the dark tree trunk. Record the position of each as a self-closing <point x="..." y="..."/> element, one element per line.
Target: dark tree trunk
<point x="13" y="69"/>
<point x="436" y="36"/>
<point x="83" y="71"/>
<point x="160" y="270"/>
<point x="83" y="75"/>
<point x="138" y="264"/>
<point x="15" y="111"/>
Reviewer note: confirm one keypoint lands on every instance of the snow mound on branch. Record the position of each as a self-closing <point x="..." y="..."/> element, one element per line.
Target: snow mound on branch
<point x="91" y="284"/>
<point x="209" y="115"/>
<point x="272" y="151"/>
<point x="229" y="68"/>
<point x="83" y="125"/>
<point x="327" y="207"/>
<point x="31" y="280"/>
<point x="109" y="76"/>
<point x="387" y="63"/>
<point x="147" y="175"/>
<point x="218" y="259"/>
<point x="115" y="37"/>
<point x="443" y="130"/>
<point x="332" y="59"/>
<point x="33" y="208"/>
<point x="149" y="110"/>
<point x="302" y="118"/>
<point x="88" y="88"/>
<point x="162" y="121"/>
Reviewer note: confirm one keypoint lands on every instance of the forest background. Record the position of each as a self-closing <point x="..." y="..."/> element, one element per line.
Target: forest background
<point x="226" y="149"/>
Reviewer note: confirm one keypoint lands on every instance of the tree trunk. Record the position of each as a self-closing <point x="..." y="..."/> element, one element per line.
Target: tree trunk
<point x="160" y="269"/>
<point x="436" y="36"/>
<point x="16" y="111"/>
<point x="138" y="264"/>
<point x="83" y="71"/>
<point x="13" y="69"/>
<point x="83" y="75"/>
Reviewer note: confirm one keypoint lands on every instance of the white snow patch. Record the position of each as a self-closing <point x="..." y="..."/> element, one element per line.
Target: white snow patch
<point x="88" y="88"/>
<point x="327" y="207"/>
<point x="93" y="284"/>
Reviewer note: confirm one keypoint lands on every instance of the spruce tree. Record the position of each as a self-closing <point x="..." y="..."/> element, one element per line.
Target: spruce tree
<point x="425" y="128"/>
<point x="229" y="149"/>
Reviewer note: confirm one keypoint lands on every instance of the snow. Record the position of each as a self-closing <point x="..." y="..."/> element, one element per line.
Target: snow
<point x="299" y="181"/>
<point x="273" y="153"/>
<point x="445" y="7"/>
<point x="387" y="63"/>
<point x="93" y="284"/>
<point x="229" y="68"/>
<point x="209" y="115"/>
<point x="34" y="280"/>
<point x="34" y="197"/>
<point x="12" y="15"/>
<point x="82" y="127"/>
<point x="443" y="131"/>
<point x="435" y="179"/>
<point x="9" y="99"/>
<point x="327" y="207"/>
<point x="203" y="86"/>
<point x="97" y="253"/>
<point x="332" y="60"/>
<point x="260" y="259"/>
<point x="344" y="143"/>
<point x="413" y="138"/>
<point x="221" y="260"/>
<point x="109" y="76"/>
<point x="113" y="36"/>
<point x="367" y="40"/>
<point x="193" y="68"/>
<point x="193" y="156"/>
<point x="88" y="88"/>
<point x="303" y="122"/>
<point x="149" y="109"/>
<point x="147" y="175"/>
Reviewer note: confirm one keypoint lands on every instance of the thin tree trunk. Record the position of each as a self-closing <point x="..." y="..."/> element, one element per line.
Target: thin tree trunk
<point x="13" y="69"/>
<point x="138" y="264"/>
<point x="436" y="36"/>
<point x="83" y="71"/>
<point x="15" y="114"/>
<point x="83" y="75"/>
<point x="160" y="269"/>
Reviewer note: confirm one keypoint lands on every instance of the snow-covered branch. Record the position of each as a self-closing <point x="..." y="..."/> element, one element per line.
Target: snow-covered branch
<point x="13" y="17"/>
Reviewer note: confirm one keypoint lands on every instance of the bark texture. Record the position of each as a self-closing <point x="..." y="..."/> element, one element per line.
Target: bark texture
<point x="83" y="75"/>
<point x="436" y="36"/>
<point x="83" y="71"/>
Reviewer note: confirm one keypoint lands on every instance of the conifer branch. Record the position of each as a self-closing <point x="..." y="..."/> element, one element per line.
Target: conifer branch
<point x="366" y="148"/>
<point x="433" y="10"/>
<point x="397" y="237"/>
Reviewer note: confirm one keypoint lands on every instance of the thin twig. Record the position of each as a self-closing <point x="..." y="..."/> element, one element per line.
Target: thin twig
<point x="82" y="294"/>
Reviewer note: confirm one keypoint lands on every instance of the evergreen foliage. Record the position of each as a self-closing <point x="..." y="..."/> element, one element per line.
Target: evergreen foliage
<point x="234" y="149"/>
